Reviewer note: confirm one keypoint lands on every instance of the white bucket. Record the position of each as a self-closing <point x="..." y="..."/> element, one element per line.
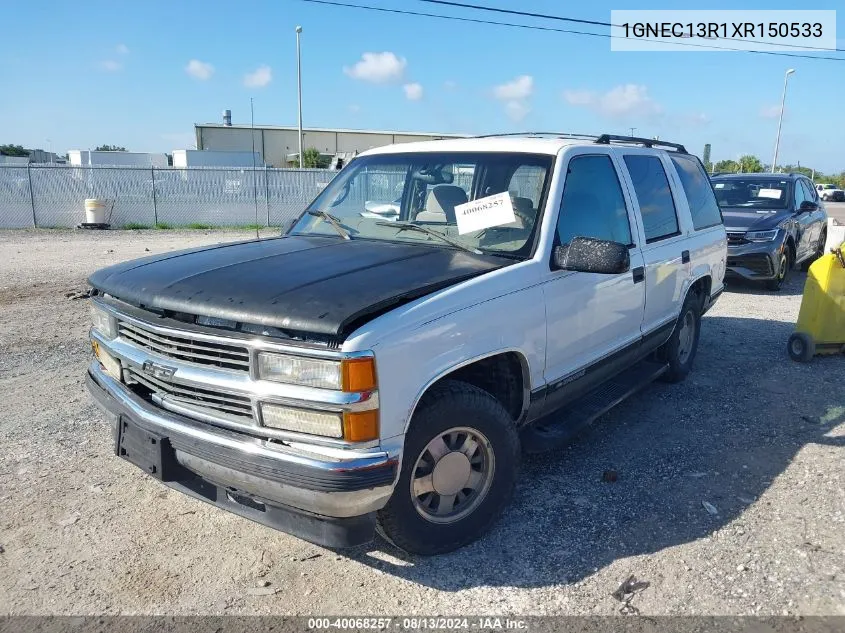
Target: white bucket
<point x="95" y="210"/>
<point x="835" y="234"/>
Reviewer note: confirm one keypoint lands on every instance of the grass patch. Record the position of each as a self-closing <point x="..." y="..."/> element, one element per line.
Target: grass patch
<point x="136" y="226"/>
<point x="198" y="225"/>
<point x="250" y="227"/>
<point x="164" y="226"/>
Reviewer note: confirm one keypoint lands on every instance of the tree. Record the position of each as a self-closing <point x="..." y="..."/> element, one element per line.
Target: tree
<point x="311" y="159"/>
<point x="109" y="148"/>
<point x="750" y="164"/>
<point x="13" y="150"/>
<point x="726" y="166"/>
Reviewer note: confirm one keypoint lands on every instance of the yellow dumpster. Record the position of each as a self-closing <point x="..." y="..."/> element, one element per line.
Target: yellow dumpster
<point x="821" y="320"/>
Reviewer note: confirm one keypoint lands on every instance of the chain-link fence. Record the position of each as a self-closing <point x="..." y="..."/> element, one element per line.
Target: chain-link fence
<point x="54" y="196"/>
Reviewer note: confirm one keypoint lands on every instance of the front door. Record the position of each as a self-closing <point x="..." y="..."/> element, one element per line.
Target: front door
<point x="593" y="320"/>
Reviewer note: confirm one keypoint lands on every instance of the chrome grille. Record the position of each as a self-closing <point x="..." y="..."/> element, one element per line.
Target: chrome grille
<point x="202" y="400"/>
<point x="183" y="347"/>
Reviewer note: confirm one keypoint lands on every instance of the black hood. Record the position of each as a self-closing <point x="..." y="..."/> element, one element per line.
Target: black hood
<point x="322" y="285"/>
<point x="742" y="219"/>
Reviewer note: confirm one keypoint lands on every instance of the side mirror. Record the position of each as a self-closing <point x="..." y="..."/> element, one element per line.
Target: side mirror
<point x="588" y="255"/>
<point x="808" y="206"/>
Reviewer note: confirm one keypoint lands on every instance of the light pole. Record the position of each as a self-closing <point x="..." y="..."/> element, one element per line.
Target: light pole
<point x="299" y="89"/>
<point x="780" y="119"/>
<point x="632" y="130"/>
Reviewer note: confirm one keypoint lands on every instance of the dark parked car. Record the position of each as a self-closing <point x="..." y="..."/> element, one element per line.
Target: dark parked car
<point x="773" y="221"/>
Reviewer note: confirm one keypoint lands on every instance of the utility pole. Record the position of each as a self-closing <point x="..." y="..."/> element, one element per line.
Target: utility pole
<point x="780" y="119"/>
<point x="299" y="88"/>
<point x="632" y="130"/>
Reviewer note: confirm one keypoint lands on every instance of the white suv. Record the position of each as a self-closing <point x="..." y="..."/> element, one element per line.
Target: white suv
<point x="361" y="372"/>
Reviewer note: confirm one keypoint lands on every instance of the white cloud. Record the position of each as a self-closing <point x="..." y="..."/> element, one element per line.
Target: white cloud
<point x="517" y="110"/>
<point x="122" y="49"/>
<point x="199" y="70"/>
<point x="259" y="78"/>
<point x="628" y="100"/>
<point x="111" y="66"/>
<point x="519" y="88"/>
<point x="413" y="91"/>
<point x="515" y="95"/>
<point x="579" y="97"/>
<point x="378" y="68"/>
<point x="770" y="112"/>
<point x="450" y="84"/>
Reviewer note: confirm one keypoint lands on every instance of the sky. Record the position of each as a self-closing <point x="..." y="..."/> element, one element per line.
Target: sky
<point x="140" y="74"/>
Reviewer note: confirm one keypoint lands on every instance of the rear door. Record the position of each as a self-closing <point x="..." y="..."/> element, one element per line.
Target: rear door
<point x="665" y="249"/>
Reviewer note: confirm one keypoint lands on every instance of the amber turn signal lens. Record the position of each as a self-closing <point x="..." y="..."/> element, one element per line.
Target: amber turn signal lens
<point x="360" y="426"/>
<point x="359" y="374"/>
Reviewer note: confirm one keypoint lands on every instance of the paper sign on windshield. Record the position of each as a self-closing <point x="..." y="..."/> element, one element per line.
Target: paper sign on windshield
<point x="483" y="213"/>
<point x="770" y="193"/>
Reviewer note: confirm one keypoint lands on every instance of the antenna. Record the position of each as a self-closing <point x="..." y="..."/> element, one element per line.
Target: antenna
<point x="254" y="184"/>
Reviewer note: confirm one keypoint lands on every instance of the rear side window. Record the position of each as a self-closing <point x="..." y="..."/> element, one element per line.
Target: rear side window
<point x="656" y="204"/>
<point x="809" y="192"/>
<point x="699" y="192"/>
<point x="593" y="204"/>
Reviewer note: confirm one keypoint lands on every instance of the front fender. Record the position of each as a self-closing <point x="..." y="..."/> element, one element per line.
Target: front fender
<point x="408" y="363"/>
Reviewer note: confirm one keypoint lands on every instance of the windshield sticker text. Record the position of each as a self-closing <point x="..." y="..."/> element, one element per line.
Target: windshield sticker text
<point x="770" y="193"/>
<point x="484" y="213"/>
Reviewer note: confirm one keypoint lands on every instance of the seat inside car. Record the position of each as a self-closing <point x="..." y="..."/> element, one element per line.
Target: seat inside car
<point x="440" y="204"/>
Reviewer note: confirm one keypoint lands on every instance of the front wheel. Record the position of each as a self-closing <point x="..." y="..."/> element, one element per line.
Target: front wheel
<point x="459" y="468"/>
<point x="679" y="351"/>
<point x="784" y="266"/>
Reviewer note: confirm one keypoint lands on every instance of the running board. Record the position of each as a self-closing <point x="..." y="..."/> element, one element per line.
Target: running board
<point x="561" y="426"/>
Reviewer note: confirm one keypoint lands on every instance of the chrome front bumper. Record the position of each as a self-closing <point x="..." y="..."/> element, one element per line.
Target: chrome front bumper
<point x="320" y="495"/>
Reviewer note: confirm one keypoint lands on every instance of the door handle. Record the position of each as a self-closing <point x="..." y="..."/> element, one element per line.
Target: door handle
<point x="685" y="257"/>
<point x="638" y="274"/>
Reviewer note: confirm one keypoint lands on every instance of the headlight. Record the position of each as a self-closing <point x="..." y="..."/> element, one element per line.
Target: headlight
<point x="761" y="236"/>
<point x="352" y="426"/>
<point x="354" y="374"/>
<point x="103" y="322"/>
<point x="324" y="423"/>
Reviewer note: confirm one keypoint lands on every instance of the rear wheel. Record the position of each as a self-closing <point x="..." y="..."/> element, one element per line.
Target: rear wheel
<point x="679" y="351"/>
<point x="784" y="266"/>
<point x="459" y="468"/>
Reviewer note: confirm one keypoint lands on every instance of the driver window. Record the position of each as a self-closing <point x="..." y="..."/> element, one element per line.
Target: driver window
<point x="593" y="204"/>
<point x="798" y="194"/>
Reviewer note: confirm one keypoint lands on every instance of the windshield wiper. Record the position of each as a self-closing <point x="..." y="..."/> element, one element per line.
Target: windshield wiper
<point x="410" y="226"/>
<point x="334" y="221"/>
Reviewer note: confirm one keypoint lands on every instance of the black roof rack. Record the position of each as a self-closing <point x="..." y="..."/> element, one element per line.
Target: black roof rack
<point x="607" y="139"/>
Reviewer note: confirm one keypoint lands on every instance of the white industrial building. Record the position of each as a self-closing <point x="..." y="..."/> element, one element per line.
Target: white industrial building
<point x="84" y="158"/>
<point x="278" y="146"/>
<point x="212" y="158"/>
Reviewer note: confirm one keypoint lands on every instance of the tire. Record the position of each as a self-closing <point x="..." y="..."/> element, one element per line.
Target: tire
<point x="825" y="198"/>
<point x="801" y="347"/>
<point x="416" y="523"/>
<point x="784" y="267"/>
<point x="679" y="351"/>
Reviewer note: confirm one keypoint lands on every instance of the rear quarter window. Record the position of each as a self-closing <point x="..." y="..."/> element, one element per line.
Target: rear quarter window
<point x="698" y="191"/>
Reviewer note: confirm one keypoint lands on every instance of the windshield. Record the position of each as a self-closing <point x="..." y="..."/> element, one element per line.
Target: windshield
<point x="422" y="197"/>
<point x="755" y="193"/>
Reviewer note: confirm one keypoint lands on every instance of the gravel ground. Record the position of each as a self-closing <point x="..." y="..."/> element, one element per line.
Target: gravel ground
<point x="753" y="435"/>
